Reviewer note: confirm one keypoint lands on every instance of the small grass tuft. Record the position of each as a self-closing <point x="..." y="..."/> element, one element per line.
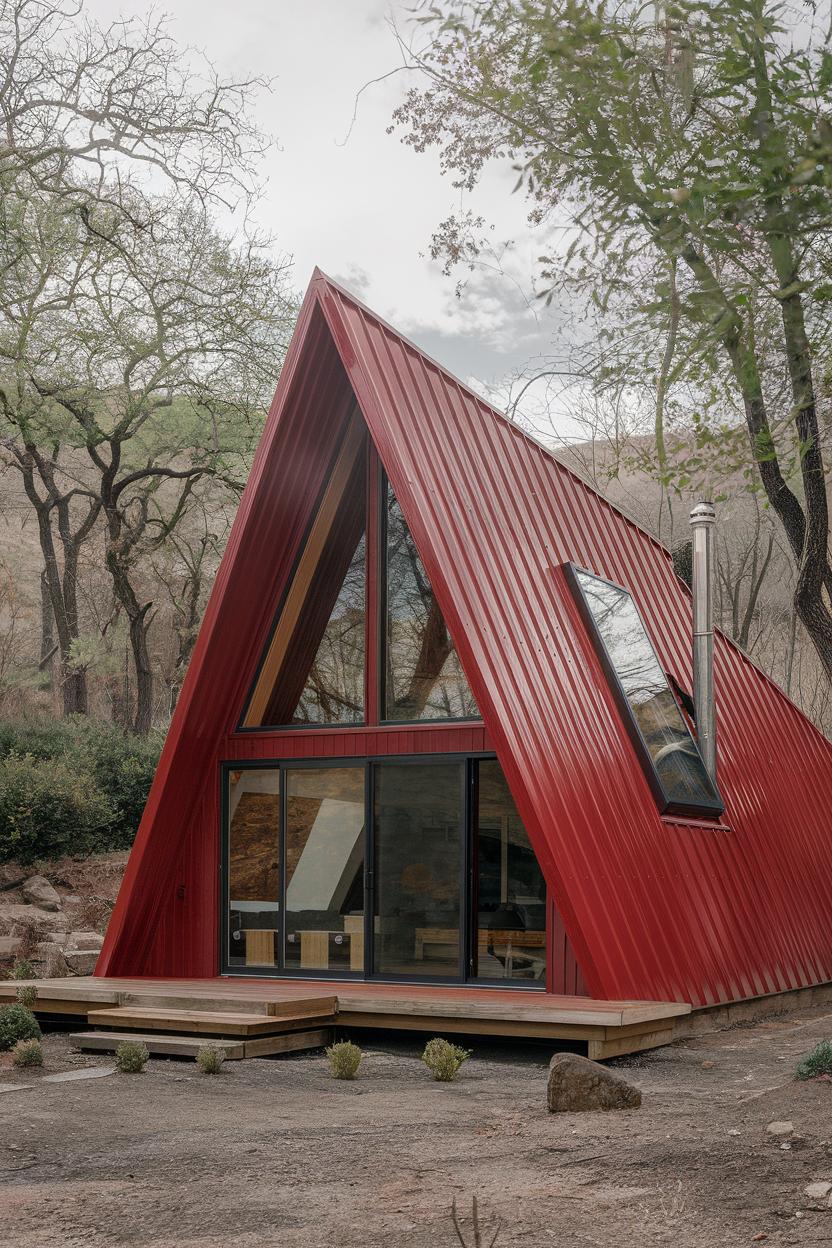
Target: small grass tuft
<point x="131" y="1057"/>
<point x="23" y="969"/>
<point x="17" y="1023"/>
<point x="27" y="994"/>
<point x="344" y="1059"/>
<point x="444" y="1059"/>
<point x="816" y="1063"/>
<point x="27" y="1053"/>
<point x="210" y="1058"/>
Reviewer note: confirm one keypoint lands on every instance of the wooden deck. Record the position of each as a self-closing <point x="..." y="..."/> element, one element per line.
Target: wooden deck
<point x="281" y="1007"/>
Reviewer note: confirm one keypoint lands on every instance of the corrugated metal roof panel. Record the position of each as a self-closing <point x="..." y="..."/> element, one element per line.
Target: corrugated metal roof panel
<point x="654" y="908"/>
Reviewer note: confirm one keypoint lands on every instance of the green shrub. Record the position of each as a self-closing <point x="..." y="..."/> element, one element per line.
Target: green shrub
<point x="75" y="785"/>
<point x="818" y="1062"/>
<point x="344" y="1059"/>
<point x="48" y="808"/>
<point x="27" y="1053"/>
<point x="27" y="994"/>
<point x="210" y="1058"/>
<point x="23" y="969"/>
<point x="131" y="1057"/>
<point x="17" y="1023"/>
<point x="444" y="1059"/>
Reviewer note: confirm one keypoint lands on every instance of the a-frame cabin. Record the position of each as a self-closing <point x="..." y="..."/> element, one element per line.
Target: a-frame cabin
<point x="431" y="732"/>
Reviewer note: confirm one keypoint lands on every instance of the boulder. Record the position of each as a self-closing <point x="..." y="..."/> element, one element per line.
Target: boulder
<point x="819" y="1190"/>
<point x="10" y="946"/>
<point x="19" y="920"/>
<point x="780" y="1128"/>
<point x="39" y="892"/>
<point x="84" y="942"/>
<point x="576" y="1084"/>
<point x="81" y="961"/>
<point x="54" y="963"/>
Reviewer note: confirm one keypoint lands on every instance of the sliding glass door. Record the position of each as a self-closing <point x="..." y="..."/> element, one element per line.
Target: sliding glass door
<point x="418" y="859"/>
<point x="253" y="866"/>
<point x="393" y="869"/>
<point x="324" y="872"/>
<point x="295" y="870"/>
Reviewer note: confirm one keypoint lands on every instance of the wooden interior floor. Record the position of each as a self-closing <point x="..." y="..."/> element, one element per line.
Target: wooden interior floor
<point x="608" y="1028"/>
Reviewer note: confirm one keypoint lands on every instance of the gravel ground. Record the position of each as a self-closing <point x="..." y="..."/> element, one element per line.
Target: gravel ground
<point x="276" y="1153"/>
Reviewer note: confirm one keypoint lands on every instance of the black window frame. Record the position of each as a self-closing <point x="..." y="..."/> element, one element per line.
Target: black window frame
<point x="708" y="809"/>
<point x="465" y="978"/>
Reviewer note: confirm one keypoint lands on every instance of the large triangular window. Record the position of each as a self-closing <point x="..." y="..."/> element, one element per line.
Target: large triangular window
<point x="423" y="677"/>
<point x="313" y="670"/>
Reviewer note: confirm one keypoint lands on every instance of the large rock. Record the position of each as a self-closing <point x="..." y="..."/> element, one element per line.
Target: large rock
<point x="84" y="942"/>
<point x="577" y="1084"/>
<point x="54" y="963"/>
<point x="81" y="961"/>
<point x="20" y="920"/>
<point x="10" y="946"/>
<point x="39" y="892"/>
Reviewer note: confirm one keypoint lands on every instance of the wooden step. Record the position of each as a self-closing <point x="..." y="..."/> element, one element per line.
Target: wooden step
<point x="302" y="1006"/>
<point x="189" y="1046"/>
<point x="290" y="1042"/>
<point x="163" y="1046"/>
<point x="202" y="1022"/>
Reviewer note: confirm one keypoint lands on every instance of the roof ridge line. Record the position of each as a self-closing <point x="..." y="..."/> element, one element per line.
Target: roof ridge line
<point x="321" y="279"/>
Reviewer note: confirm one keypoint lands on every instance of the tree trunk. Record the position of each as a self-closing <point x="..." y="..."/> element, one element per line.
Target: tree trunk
<point x="137" y="616"/>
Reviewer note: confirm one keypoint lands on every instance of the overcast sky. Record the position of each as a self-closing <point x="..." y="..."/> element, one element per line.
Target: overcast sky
<point x="363" y="207"/>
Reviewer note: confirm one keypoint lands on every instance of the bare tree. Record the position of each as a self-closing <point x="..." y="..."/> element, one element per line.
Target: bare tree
<point x="142" y="367"/>
<point x="80" y="102"/>
<point x="134" y="336"/>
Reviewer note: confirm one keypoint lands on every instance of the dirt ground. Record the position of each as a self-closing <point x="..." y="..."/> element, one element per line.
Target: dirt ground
<point x="275" y="1153"/>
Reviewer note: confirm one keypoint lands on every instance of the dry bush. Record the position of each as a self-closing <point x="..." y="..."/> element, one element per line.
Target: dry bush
<point x="93" y="915"/>
<point x="210" y="1058"/>
<point x="444" y="1059"/>
<point x="344" y="1059"/>
<point x="27" y="994"/>
<point x="131" y="1057"/>
<point x="478" y="1231"/>
<point x="27" y="1053"/>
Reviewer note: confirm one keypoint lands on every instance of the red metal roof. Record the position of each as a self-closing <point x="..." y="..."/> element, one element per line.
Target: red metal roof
<point x="655" y="907"/>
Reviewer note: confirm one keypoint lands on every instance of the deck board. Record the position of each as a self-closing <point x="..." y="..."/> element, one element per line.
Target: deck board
<point x="608" y="1027"/>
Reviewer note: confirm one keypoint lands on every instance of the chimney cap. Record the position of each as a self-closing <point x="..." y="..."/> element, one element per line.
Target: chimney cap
<point x="703" y="512"/>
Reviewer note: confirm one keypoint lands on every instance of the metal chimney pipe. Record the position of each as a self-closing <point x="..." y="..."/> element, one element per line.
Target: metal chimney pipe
<point x="703" y="521"/>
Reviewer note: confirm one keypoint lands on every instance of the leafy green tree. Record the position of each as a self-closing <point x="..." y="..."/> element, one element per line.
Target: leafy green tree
<point x="686" y="152"/>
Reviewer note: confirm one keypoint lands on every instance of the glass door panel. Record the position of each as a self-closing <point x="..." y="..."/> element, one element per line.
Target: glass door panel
<point x="509" y="941"/>
<point x="324" y="849"/>
<point x="253" y="867"/>
<point x="417" y="837"/>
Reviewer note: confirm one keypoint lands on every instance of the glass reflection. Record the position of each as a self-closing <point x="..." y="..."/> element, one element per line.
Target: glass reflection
<point x="672" y="749"/>
<point x="325" y="868"/>
<point x="253" y="866"/>
<point x="334" y="689"/>
<point x="510" y="889"/>
<point x="417" y="811"/>
<point x="424" y="677"/>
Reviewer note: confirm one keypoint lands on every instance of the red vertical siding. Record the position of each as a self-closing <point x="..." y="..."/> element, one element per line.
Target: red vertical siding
<point x="653" y="908"/>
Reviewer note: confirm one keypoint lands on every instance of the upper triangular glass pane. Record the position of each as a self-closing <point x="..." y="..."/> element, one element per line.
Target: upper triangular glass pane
<point x="334" y="689"/>
<point x="423" y="675"/>
<point x="313" y="670"/>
